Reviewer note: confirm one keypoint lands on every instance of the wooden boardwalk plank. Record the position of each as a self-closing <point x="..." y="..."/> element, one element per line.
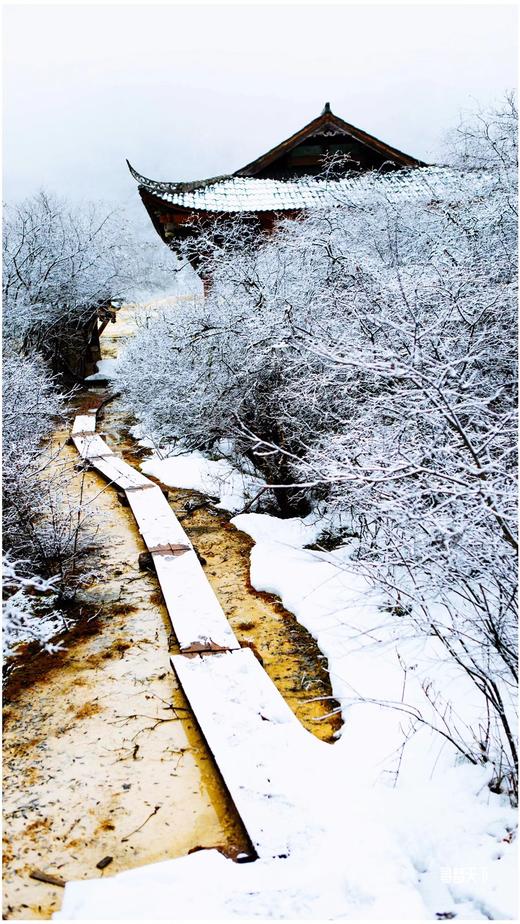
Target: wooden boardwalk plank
<point x="157" y="521"/>
<point x="84" y="423"/>
<point x="90" y="445"/>
<point x="195" y="613"/>
<point x="122" y="474"/>
<point x="94" y="449"/>
<point x="264" y="754"/>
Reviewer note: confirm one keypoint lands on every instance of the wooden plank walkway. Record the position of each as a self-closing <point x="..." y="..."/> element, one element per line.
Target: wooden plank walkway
<point x="264" y="754"/>
<point x="196" y="616"/>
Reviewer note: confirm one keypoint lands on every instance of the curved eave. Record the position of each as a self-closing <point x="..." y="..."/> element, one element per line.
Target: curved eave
<point x="171" y="187"/>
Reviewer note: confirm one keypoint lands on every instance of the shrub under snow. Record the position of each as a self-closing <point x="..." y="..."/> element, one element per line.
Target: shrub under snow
<point x="42" y="514"/>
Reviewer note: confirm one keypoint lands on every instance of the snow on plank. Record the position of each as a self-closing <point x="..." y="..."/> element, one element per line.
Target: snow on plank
<point x="84" y="423"/>
<point x="93" y="448"/>
<point x="268" y="761"/>
<point x="122" y="474"/>
<point x="157" y="521"/>
<point x="195" y="612"/>
<point x="90" y="445"/>
<point x="196" y="615"/>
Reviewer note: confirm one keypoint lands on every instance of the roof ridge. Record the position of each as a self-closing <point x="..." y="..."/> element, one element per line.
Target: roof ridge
<point x="327" y="117"/>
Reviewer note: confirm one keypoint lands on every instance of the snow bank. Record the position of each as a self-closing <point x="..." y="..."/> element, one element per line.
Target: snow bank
<point x="218" y="478"/>
<point x="436" y="809"/>
<point x="207" y="886"/>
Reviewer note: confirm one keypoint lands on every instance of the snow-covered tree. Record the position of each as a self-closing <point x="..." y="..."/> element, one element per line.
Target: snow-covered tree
<point x="62" y="263"/>
<point x="365" y="358"/>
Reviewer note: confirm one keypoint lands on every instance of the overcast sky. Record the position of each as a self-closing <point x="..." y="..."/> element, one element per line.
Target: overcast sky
<point x="192" y="91"/>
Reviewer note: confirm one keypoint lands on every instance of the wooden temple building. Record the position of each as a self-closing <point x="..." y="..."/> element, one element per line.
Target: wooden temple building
<point x="289" y="179"/>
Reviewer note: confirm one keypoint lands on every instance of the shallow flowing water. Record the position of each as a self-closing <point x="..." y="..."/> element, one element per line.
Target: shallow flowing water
<point x="102" y="756"/>
<point x="99" y="738"/>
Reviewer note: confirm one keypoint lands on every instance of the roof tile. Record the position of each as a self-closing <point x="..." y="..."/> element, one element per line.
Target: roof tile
<point x="248" y="194"/>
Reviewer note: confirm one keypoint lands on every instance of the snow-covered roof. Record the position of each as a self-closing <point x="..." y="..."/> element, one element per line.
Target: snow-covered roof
<point x="249" y="194"/>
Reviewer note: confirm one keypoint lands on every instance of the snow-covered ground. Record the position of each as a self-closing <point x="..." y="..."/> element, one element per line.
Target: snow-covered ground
<point x="409" y="830"/>
<point x="218" y="478"/>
